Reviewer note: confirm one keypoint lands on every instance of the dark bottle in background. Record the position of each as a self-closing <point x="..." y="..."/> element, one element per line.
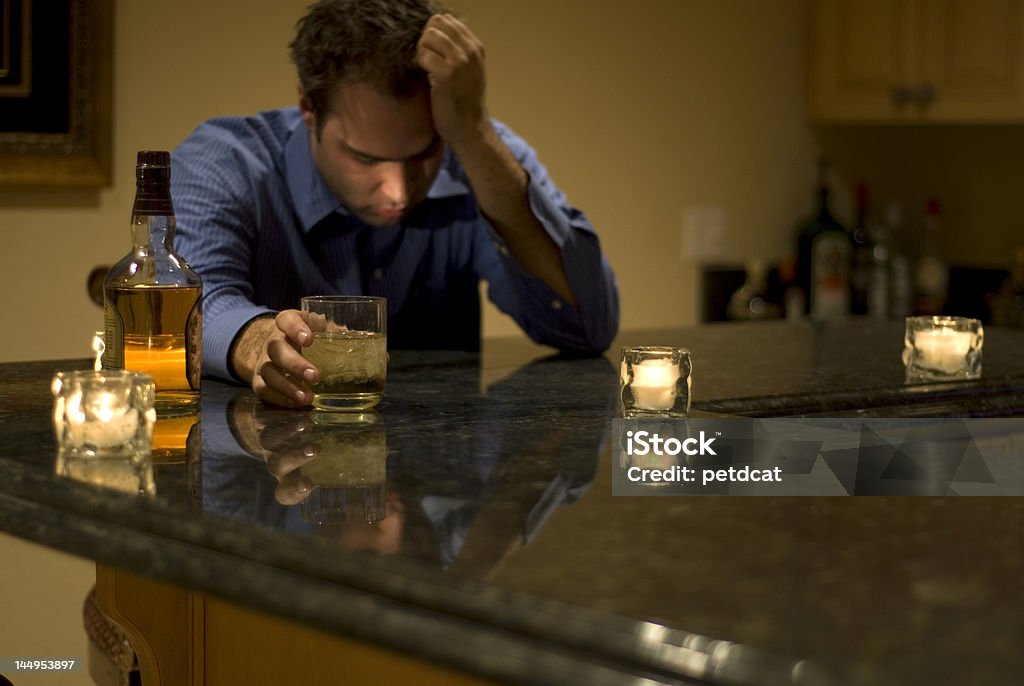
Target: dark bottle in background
<point x="1007" y="304"/>
<point x="752" y="300"/>
<point x="880" y="268"/>
<point x="931" y="273"/>
<point x="861" y="268"/>
<point x="153" y="299"/>
<point x="823" y="258"/>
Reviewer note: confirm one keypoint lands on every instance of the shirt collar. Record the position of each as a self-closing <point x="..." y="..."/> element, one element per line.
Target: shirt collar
<point x="313" y="200"/>
<point x="311" y="197"/>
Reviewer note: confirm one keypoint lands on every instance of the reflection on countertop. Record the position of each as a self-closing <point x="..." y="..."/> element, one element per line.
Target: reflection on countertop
<point x="494" y="474"/>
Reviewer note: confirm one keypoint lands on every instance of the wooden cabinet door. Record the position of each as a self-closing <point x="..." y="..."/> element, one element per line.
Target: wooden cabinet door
<point x="861" y="51"/>
<point x="972" y="52"/>
<point x="954" y="61"/>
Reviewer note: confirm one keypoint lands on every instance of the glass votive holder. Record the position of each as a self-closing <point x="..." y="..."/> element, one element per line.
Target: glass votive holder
<point x="942" y="348"/>
<point x="103" y="414"/>
<point x="654" y="381"/>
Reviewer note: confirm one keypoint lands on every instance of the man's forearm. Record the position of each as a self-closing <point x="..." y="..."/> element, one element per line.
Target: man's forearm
<point x="500" y="185"/>
<point x="248" y="346"/>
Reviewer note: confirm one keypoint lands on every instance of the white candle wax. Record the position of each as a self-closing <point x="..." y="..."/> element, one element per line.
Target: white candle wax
<point x="108" y="427"/>
<point x="943" y="349"/>
<point x="654" y="384"/>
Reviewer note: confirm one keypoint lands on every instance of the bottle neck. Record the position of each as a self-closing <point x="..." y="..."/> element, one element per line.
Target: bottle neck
<point x="153" y="233"/>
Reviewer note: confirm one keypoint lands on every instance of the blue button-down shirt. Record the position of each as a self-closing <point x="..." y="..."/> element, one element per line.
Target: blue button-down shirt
<point x="259" y="224"/>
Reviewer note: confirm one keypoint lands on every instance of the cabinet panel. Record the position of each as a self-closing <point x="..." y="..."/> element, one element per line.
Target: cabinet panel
<point x="973" y="53"/>
<point x="956" y="61"/>
<point x="860" y="51"/>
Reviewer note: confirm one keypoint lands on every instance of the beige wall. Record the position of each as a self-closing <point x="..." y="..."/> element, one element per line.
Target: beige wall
<point x="639" y="110"/>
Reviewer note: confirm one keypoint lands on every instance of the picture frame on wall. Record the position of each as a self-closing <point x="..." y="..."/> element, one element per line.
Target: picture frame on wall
<point x="55" y="93"/>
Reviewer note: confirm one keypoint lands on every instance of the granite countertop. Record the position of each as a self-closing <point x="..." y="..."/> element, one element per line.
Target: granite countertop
<point x="503" y="551"/>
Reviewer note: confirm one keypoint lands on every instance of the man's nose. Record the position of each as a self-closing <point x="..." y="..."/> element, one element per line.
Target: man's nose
<point x="395" y="184"/>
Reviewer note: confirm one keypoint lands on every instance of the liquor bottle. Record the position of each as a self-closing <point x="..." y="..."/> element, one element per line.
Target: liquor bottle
<point x="900" y="289"/>
<point x="152" y="299"/>
<point x="862" y="266"/>
<point x="879" y="298"/>
<point x="751" y="300"/>
<point x="823" y="258"/>
<point x="931" y="274"/>
<point x="1007" y="304"/>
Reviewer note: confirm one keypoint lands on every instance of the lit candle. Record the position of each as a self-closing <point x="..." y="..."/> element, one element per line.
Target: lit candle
<point x="109" y="424"/>
<point x="99" y="346"/>
<point x="654" y="384"/>
<point x="943" y="349"/>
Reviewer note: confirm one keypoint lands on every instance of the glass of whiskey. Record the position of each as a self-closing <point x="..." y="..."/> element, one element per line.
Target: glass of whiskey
<point x="350" y="348"/>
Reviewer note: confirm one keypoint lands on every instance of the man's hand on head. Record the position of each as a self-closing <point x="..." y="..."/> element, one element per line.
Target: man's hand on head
<point x="281" y="375"/>
<point x="453" y="58"/>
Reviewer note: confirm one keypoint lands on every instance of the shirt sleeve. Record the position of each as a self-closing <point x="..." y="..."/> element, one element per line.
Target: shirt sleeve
<point x="590" y="326"/>
<point x="216" y="235"/>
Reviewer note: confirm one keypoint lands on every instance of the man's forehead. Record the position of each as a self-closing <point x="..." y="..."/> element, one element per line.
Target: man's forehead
<point x="381" y="125"/>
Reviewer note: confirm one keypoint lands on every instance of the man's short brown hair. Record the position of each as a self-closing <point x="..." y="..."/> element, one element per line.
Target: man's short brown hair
<point x="348" y="41"/>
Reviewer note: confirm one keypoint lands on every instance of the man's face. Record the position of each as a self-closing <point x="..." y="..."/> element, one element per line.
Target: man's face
<point x="378" y="154"/>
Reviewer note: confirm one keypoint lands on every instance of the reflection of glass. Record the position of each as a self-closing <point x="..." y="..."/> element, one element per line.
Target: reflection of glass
<point x="128" y="475"/>
<point x="350" y="350"/>
<point x="943" y="348"/>
<point x="635" y="451"/>
<point x="106" y="414"/>
<point x="655" y="381"/>
<point x="349" y="475"/>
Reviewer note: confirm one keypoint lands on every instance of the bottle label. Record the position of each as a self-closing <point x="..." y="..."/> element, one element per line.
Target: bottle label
<point x="194" y="344"/>
<point x="830" y="276"/>
<point x="113" y="337"/>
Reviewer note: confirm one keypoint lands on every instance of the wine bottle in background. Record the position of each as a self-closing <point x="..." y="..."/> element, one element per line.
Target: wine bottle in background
<point x="823" y="257"/>
<point x="152" y="299"/>
<point x="880" y="269"/>
<point x="931" y="274"/>
<point x="1007" y="304"/>
<point x="861" y="269"/>
<point x="901" y="293"/>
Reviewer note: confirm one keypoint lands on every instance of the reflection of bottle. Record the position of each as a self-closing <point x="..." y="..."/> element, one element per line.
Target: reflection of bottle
<point x="823" y="258"/>
<point x="750" y="301"/>
<point x="152" y="299"/>
<point x="931" y="275"/>
<point x="175" y="437"/>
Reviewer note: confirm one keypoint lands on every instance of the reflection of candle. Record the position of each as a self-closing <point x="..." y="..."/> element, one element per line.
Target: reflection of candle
<point x="943" y="349"/>
<point x="99" y="346"/>
<point x="106" y="425"/>
<point x="654" y="384"/>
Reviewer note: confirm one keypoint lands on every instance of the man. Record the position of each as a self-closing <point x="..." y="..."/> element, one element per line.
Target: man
<point x="389" y="179"/>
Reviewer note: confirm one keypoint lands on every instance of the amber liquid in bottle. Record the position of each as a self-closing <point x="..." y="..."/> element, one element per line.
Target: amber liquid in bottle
<point x="156" y="322"/>
<point x="153" y="300"/>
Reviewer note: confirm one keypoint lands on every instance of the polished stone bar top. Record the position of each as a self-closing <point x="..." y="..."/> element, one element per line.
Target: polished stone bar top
<point x="469" y="519"/>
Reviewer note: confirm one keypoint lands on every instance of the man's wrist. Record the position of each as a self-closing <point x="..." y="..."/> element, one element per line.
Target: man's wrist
<point x="248" y="346"/>
<point x="474" y="138"/>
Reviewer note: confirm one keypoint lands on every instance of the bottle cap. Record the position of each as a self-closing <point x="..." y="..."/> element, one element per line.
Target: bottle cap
<point x="153" y="158"/>
<point x="153" y="183"/>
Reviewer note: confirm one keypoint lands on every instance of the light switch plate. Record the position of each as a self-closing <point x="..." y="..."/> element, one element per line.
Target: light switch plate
<point x="704" y="234"/>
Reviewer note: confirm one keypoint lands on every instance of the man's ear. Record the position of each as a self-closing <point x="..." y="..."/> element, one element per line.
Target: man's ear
<point x="306" y="109"/>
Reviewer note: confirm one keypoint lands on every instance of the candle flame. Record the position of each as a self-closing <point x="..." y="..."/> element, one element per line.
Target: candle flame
<point x="98" y="346"/>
